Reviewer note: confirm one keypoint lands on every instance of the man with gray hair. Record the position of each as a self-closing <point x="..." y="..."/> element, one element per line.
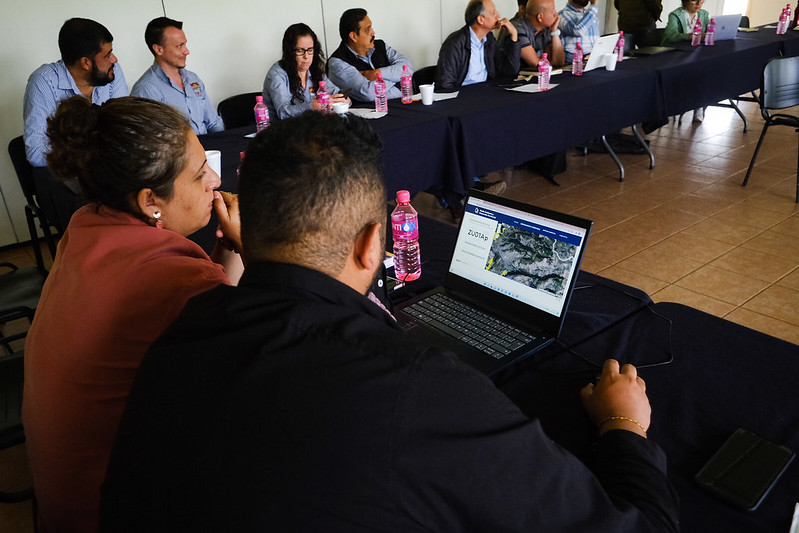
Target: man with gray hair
<point x="471" y="54"/>
<point x="537" y="33"/>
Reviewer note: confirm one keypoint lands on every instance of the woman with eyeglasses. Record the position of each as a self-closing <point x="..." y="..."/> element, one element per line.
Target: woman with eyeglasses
<point x="290" y="82"/>
<point x="682" y="20"/>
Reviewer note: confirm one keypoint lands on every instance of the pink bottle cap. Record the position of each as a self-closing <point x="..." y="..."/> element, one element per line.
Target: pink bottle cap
<point x="403" y="197"/>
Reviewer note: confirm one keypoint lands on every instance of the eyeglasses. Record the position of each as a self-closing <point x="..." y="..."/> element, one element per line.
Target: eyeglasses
<point x="302" y="51"/>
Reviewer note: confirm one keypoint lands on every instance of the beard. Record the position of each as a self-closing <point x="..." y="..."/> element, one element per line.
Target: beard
<point x="98" y="79"/>
<point x="580" y="3"/>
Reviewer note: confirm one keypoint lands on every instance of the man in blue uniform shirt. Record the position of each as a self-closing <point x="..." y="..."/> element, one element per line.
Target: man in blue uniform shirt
<point x="88" y="67"/>
<point x="355" y="63"/>
<point x="169" y="81"/>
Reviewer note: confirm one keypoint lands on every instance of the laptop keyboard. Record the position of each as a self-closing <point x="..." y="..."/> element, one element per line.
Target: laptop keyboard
<point x="488" y="334"/>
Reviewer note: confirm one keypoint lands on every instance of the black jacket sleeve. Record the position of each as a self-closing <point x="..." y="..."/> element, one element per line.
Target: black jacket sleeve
<point x="465" y="454"/>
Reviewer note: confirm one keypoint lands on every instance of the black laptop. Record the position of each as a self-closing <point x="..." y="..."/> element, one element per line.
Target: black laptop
<point x="508" y="287"/>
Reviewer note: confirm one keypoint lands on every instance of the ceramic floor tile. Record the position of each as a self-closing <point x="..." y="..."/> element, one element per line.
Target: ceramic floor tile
<point x="646" y="283"/>
<point x="776" y="244"/>
<point x="722" y="284"/>
<point x="694" y="247"/>
<point x="791" y="281"/>
<point x="719" y="230"/>
<point x="765" y="324"/>
<point x="750" y="216"/>
<point x="674" y="293"/>
<point x="660" y="265"/>
<point x="755" y="264"/>
<point x="777" y="302"/>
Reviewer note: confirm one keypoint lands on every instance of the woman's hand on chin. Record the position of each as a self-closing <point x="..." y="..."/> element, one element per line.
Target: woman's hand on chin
<point x="226" y="206"/>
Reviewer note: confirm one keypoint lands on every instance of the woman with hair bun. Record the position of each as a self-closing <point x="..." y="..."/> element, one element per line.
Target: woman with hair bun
<point x="123" y="271"/>
<point x="290" y="82"/>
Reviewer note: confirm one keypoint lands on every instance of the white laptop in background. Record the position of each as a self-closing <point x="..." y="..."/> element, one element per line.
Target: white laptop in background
<point x="602" y="47"/>
<point x="727" y="27"/>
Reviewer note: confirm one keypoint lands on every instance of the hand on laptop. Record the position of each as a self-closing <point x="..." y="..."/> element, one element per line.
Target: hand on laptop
<point x="618" y="400"/>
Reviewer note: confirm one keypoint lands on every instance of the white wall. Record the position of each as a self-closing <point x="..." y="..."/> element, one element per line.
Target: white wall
<point x="230" y="50"/>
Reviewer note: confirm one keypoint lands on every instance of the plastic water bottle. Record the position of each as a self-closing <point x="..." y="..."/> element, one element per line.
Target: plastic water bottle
<point x="696" y="38"/>
<point x="782" y="25"/>
<point x="788" y="12"/>
<point x="323" y="98"/>
<point x="261" y="114"/>
<point x="405" y="229"/>
<point x="406" y="85"/>
<point x="381" y="101"/>
<point x="544" y="70"/>
<point x="577" y="60"/>
<point x="619" y="50"/>
<point x="710" y="34"/>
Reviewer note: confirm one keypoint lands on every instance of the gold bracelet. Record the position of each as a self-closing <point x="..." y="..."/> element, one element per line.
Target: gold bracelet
<point x="627" y="418"/>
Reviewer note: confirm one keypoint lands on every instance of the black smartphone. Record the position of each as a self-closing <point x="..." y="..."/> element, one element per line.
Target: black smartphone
<point x="744" y="469"/>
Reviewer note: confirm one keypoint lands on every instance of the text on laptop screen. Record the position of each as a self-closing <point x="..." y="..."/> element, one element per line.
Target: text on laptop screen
<point x="524" y="256"/>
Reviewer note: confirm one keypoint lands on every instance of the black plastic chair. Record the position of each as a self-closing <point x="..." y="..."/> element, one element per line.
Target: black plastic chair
<point x="237" y="110"/>
<point x="24" y="171"/>
<point x="20" y="289"/>
<point x="779" y="89"/>
<point x="423" y="76"/>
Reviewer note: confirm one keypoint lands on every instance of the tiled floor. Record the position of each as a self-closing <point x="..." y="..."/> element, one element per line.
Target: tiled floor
<point x="685" y="231"/>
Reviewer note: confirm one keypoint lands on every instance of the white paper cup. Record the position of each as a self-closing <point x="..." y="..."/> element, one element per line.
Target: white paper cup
<point x="341" y="107"/>
<point x="610" y="61"/>
<point x="214" y="158"/>
<point x="427" y="93"/>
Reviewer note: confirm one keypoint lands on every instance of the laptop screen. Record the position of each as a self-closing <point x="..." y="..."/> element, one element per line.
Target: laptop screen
<point x="525" y="256"/>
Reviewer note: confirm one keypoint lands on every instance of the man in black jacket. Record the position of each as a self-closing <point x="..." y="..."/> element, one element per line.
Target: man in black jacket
<point x="456" y="64"/>
<point x="292" y="402"/>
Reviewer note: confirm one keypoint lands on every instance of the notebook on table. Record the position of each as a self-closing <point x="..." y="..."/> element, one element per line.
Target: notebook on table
<point x="510" y="279"/>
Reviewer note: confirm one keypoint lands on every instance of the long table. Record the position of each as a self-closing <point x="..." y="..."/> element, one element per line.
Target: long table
<point x="705" y="378"/>
<point x="486" y="128"/>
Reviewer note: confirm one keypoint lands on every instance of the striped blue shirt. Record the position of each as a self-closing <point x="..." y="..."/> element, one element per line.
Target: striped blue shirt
<point x="47" y="86"/>
<point x="578" y="25"/>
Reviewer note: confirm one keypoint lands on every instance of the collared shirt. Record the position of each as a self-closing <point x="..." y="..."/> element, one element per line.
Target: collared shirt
<point x="278" y="97"/>
<point x="528" y="36"/>
<point x="580" y="26"/>
<point x="347" y="76"/>
<point x="47" y="86"/>
<point x="192" y="100"/>
<point x="477" y="61"/>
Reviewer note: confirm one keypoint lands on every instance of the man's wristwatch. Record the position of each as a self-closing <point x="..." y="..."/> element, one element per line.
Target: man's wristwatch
<point x="555" y="33"/>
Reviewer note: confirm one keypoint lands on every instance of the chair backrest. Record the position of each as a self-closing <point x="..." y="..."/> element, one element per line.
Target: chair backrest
<point x="237" y="111"/>
<point x="653" y="37"/>
<point x="744" y="22"/>
<point x="24" y="170"/>
<point x="779" y="87"/>
<point x="423" y="76"/>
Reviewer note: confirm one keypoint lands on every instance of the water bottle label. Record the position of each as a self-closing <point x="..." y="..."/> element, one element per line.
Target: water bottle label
<point x="407" y="230"/>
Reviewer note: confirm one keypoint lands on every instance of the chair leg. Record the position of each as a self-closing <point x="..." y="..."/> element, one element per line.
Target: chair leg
<point x="754" y="155"/>
<point x="797" y="177"/>
<point x="37" y="251"/>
